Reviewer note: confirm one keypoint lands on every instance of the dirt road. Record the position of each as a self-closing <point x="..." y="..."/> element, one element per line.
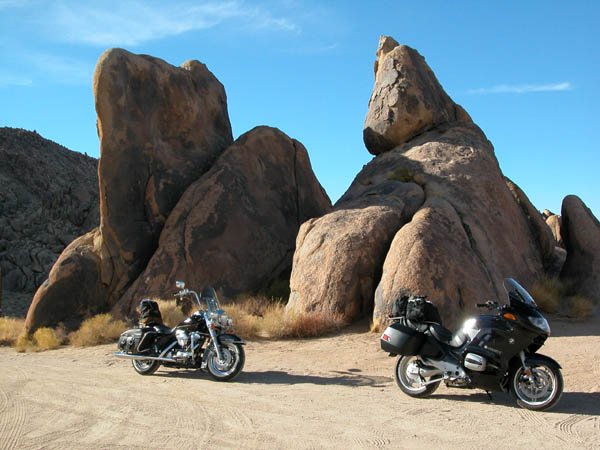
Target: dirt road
<point x="334" y="392"/>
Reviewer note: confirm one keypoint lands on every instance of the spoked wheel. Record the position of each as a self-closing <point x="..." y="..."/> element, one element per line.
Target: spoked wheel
<point x="231" y="364"/>
<point x="537" y="387"/>
<point x="145" y="366"/>
<point x="410" y="381"/>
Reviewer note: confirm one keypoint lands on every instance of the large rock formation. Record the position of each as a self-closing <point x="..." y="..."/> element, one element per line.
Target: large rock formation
<point x="74" y="289"/>
<point x="461" y="235"/>
<point x="339" y="256"/>
<point x="160" y="128"/>
<point x="48" y="197"/>
<point x="407" y="99"/>
<point x="580" y="231"/>
<point x="235" y="228"/>
<point x="163" y="131"/>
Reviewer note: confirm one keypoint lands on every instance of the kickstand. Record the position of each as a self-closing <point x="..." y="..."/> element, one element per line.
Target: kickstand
<point x="489" y="394"/>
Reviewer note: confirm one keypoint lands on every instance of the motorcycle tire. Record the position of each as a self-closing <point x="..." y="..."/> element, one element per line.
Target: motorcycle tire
<point x="539" y="386"/>
<point x="145" y="366"/>
<point x="234" y="358"/>
<point x="408" y="383"/>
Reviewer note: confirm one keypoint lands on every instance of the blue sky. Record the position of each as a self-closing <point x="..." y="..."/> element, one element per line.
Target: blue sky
<point x="527" y="72"/>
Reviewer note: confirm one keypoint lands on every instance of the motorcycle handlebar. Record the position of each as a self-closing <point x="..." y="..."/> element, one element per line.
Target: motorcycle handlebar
<point x="490" y="304"/>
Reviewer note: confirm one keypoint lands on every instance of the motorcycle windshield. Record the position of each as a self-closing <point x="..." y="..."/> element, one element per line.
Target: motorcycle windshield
<point x="209" y="295"/>
<point x="518" y="293"/>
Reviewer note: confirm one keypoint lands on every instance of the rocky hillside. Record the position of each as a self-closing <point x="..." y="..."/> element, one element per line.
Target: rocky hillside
<point x="48" y="197"/>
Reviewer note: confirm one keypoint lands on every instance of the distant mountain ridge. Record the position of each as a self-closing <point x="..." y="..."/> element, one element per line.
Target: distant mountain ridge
<point x="48" y="197"/>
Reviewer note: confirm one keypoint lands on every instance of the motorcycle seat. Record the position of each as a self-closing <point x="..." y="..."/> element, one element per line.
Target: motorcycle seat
<point x="162" y="329"/>
<point x="445" y="336"/>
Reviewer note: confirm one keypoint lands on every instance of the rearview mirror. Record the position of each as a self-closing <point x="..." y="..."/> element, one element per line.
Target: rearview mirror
<point x="179" y="284"/>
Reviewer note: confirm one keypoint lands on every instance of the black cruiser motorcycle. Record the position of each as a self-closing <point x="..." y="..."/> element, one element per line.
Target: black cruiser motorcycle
<point x="492" y="352"/>
<point x="200" y="341"/>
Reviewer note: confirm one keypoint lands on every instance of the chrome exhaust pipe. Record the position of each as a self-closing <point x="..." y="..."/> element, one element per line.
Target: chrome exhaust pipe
<point x="152" y="358"/>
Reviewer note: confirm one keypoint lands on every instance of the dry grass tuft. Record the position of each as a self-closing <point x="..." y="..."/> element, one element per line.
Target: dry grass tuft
<point x="171" y="313"/>
<point x="98" y="330"/>
<point x="10" y="330"/>
<point x="45" y="339"/>
<point x="260" y="317"/>
<point x="548" y="293"/>
<point x="23" y="343"/>
<point x="580" y="307"/>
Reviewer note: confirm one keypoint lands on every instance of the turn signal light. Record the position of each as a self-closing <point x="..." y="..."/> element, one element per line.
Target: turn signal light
<point x="509" y="316"/>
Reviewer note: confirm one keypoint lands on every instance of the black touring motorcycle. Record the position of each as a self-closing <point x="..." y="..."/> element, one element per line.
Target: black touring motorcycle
<point x="200" y="341"/>
<point x="491" y="352"/>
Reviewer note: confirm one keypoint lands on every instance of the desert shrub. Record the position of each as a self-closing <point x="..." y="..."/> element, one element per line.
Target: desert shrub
<point x="45" y="339"/>
<point x="259" y="317"/>
<point x="548" y="293"/>
<point x="580" y="307"/>
<point x="171" y="313"/>
<point x="98" y="330"/>
<point x="23" y="343"/>
<point x="10" y="329"/>
<point x="312" y="324"/>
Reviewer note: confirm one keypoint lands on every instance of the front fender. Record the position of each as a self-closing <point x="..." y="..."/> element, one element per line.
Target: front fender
<point x="533" y="358"/>
<point x="231" y="338"/>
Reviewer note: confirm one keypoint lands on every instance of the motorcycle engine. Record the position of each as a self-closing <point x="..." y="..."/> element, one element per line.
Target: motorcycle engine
<point x="475" y="362"/>
<point x="182" y="338"/>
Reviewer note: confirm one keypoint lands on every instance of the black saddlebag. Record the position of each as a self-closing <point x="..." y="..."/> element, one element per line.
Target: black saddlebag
<point x="137" y="340"/>
<point x="400" y="339"/>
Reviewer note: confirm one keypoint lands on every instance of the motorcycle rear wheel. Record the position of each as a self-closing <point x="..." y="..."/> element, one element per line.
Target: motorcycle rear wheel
<point x="231" y="365"/>
<point x="145" y="366"/>
<point x="538" y="387"/>
<point x="410" y="383"/>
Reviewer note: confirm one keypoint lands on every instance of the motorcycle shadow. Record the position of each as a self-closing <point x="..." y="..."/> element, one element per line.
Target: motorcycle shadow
<point x="581" y="403"/>
<point x="350" y="378"/>
<point x="341" y="378"/>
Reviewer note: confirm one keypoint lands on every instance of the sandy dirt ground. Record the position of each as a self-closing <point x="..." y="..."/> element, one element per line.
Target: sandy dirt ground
<point x="333" y="392"/>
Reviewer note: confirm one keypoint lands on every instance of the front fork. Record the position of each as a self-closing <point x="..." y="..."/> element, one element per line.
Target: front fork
<point x="215" y="341"/>
<point x="526" y="370"/>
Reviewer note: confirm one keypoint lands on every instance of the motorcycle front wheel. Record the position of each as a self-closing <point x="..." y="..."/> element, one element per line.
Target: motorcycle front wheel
<point x="409" y="380"/>
<point x="538" y="387"/>
<point x="231" y="364"/>
<point x="145" y="366"/>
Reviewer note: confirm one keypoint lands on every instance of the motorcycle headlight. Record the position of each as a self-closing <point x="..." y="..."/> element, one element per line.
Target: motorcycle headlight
<point x="225" y="321"/>
<point x="541" y="323"/>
